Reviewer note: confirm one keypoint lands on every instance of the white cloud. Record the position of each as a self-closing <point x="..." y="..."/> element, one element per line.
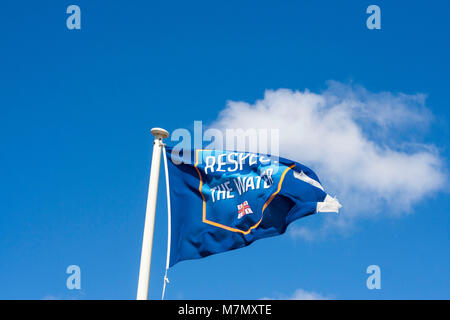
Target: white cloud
<point x="302" y="232"/>
<point x="300" y="294"/>
<point x="365" y="147"/>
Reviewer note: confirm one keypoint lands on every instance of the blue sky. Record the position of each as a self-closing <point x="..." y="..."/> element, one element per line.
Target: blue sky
<point x="76" y="111"/>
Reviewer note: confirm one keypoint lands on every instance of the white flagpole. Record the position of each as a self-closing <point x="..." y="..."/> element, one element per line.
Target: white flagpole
<point x="147" y="242"/>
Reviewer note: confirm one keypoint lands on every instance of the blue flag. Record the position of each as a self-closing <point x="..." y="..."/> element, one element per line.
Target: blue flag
<point x="224" y="200"/>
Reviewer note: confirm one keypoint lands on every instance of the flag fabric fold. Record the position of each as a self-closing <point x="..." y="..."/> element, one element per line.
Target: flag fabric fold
<point x="224" y="200"/>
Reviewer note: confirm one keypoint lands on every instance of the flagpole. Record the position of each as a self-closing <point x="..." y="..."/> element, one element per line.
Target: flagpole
<point x="147" y="242"/>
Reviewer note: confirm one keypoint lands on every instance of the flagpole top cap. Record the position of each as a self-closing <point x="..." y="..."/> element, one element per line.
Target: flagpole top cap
<point x="159" y="133"/>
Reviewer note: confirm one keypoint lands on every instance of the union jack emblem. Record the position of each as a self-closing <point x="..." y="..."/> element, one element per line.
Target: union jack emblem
<point x="243" y="209"/>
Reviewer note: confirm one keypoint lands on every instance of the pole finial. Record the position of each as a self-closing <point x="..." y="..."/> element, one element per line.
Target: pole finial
<point x="160" y="133"/>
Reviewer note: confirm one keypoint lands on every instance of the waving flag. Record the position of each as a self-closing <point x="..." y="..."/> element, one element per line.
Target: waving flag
<point x="226" y="200"/>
